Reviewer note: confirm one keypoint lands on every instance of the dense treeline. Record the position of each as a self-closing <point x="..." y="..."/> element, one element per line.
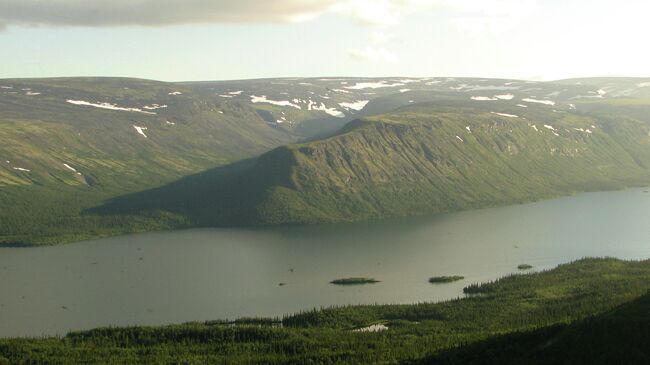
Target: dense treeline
<point x="620" y="336"/>
<point x="519" y="303"/>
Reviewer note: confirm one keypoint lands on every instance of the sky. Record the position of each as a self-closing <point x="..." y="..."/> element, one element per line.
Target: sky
<point x="183" y="40"/>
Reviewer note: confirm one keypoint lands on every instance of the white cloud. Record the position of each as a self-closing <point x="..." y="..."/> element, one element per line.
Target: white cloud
<point x="491" y="7"/>
<point x="373" y="54"/>
<point x="378" y="37"/>
<point x="488" y="16"/>
<point x="374" y="12"/>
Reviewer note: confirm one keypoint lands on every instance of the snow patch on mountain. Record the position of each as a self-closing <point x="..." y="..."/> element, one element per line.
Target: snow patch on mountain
<point x="373" y="85"/>
<point x="331" y="111"/>
<point x="505" y="115"/>
<point x="108" y="106"/>
<point x="263" y="99"/>
<point x="357" y="105"/>
<point x="545" y="102"/>
<point x="141" y="130"/>
<point x="154" y="106"/>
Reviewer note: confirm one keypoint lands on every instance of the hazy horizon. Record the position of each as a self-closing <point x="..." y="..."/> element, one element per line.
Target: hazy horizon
<point x="325" y="77"/>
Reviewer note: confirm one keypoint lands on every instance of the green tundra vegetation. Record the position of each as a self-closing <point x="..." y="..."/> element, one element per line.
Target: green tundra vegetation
<point x="58" y="159"/>
<point x="518" y="317"/>
<point x="525" y="267"/>
<point x="70" y="172"/>
<point x="445" y="279"/>
<point x="421" y="159"/>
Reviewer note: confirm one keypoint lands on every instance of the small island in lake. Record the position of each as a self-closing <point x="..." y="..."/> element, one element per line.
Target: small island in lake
<point x="445" y="279"/>
<point x="354" y="281"/>
<point x="524" y="267"/>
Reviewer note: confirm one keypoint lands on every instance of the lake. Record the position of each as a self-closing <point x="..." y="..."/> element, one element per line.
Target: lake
<point x="204" y="274"/>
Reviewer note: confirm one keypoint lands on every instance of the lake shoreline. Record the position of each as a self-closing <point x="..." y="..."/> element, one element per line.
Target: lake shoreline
<point x="201" y="274"/>
<point x="21" y="244"/>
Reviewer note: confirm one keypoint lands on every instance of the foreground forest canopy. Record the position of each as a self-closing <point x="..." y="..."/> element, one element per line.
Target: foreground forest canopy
<point x="592" y="311"/>
<point x="85" y="158"/>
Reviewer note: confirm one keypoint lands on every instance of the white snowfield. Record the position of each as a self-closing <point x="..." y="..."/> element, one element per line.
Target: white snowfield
<point x="460" y="139"/>
<point x="483" y="98"/>
<point x="21" y="169"/>
<point x="505" y="96"/>
<point x="31" y="93"/>
<point x="154" y="106"/>
<point x="263" y="99"/>
<point x="235" y="92"/>
<point x="341" y="91"/>
<point x="505" y="115"/>
<point x="644" y="84"/>
<point x="141" y="130"/>
<point x="357" y="105"/>
<point x="373" y="85"/>
<point x="522" y="106"/>
<point x="552" y="129"/>
<point x="69" y="167"/>
<point x="108" y="106"/>
<point x="588" y="131"/>
<point x="331" y="111"/>
<point x="175" y="93"/>
<point x="408" y="81"/>
<point x="545" y="102"/>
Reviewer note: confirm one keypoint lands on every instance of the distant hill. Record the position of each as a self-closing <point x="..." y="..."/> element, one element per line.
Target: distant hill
<point x="420" y="159"/>
<point x="91" y="157"/>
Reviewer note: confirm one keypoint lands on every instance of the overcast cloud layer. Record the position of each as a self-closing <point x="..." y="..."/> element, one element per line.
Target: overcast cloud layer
<point x="177" y="12"/>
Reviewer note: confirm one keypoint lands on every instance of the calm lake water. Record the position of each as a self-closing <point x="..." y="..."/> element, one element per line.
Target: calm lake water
<point x="173" y="277"/>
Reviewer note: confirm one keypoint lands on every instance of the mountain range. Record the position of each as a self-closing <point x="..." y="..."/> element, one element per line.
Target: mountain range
<point x="91" y="157"/>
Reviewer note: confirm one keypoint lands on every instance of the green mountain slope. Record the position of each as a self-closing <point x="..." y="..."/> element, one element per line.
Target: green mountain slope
<point x="91" y="157"/>
<point x="426" y="158"/>
<point x="69" y="144"/>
